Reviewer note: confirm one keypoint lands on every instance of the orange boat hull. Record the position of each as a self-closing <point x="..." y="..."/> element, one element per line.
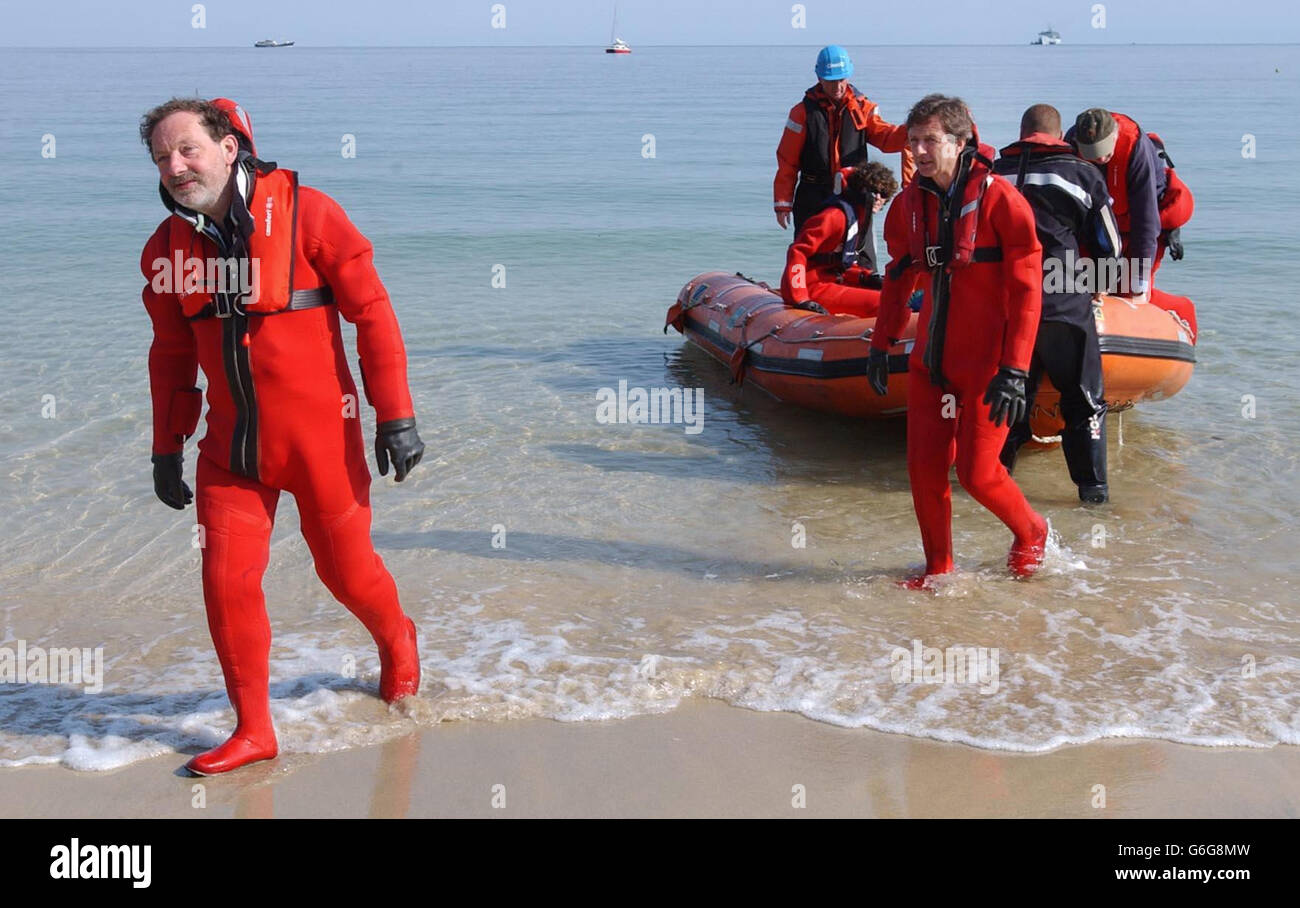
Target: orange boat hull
<point x="819" y="361"/>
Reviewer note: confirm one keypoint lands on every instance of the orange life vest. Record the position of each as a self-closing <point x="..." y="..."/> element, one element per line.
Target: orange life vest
<point x="270" y="258"/>
<point x="1175" y="202"/>
<point x="1117" y="169"/>
<point x="926" y="247"/>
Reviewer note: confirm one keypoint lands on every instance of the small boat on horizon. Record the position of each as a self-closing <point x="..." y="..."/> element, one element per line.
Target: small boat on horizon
<point x="616" y="45"/>
<point x="267" y="42"/>
<point x="1048" y="36"/>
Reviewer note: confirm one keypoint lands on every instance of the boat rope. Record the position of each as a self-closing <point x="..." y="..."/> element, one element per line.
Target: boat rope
<point x="1186" y="325"/>
<point x="816" y="338"/>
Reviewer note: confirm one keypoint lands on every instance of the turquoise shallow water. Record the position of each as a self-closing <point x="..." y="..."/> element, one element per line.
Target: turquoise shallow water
<point x="641" y="564"/>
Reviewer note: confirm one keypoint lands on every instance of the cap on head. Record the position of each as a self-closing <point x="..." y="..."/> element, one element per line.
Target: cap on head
<point x="239" y="119"/>
<point x="1095" y="132"/>
<point x="833" y="63"/>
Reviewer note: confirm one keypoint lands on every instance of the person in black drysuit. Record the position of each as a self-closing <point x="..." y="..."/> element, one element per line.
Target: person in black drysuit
<point x="1074" y="220"/>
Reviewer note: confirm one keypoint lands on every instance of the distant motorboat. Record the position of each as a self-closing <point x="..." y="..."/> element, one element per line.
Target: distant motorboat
<point x="1047" y="37"/>
<point x="267" y="42"/>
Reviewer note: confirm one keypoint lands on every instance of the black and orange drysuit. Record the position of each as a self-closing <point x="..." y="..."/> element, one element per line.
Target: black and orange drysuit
<point x="820" y="138"/>
<point x="981" y="263"/>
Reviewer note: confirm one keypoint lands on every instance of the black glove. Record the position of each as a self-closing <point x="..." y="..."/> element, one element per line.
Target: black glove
<point x="1174" y="239"/>
<point x="872" y="281"/>
<point x="1006" y="396"/>
<point x="811" y="307"/>
<point x="398" y="439"/>
<point x="167" y="482"/>
<point x="878" y="371"/>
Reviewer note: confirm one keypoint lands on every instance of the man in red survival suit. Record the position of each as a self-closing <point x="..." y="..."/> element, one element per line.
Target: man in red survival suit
<point x="822" y="273"/>
<point x="1150" y="201"/>
<point x="830" y="129"/>
<point x="247" y="278"/>
<point x="971" y="236"/>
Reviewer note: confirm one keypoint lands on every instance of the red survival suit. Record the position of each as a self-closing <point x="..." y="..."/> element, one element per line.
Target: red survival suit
<point x="283" y="415"/>
<point x="821" y="264"/>
<point x="980" y="311"/>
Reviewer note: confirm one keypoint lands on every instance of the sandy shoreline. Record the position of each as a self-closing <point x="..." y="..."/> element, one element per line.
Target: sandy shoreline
<point x="705" y="759"/>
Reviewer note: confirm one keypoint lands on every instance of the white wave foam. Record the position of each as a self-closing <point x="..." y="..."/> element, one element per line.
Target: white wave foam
<point x="1067" y="674"/>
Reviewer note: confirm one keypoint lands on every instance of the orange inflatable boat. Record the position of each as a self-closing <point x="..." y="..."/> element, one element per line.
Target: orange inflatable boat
<point x="820" y="361"/>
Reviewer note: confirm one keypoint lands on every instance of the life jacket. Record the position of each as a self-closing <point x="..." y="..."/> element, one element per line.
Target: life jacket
<point x="1176" y="201"/>
<point x="267" y="221"/>
<point x="854" y="206"/>
<point x="821" y="157"/>
<point x="951" y="244"/>
<point x="953" y="247"/>
<point x="1117" y="169"/>
<point x="1171" y="200"/>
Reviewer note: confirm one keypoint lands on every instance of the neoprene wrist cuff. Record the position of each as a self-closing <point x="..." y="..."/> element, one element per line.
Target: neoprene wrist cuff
<point x="395" y="425"/>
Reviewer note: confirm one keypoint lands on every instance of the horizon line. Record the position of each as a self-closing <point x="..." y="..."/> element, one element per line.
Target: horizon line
<point x="536" y="46"/>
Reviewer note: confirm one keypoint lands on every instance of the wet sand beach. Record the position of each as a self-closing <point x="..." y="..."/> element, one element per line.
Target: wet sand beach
<point x="705" y="759"/>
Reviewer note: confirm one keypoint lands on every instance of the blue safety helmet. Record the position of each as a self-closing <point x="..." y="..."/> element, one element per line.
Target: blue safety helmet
<point x="833" y="63"/>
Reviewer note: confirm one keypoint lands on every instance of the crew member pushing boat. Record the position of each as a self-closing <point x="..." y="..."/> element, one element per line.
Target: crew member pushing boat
<point x="1073" y="217"/>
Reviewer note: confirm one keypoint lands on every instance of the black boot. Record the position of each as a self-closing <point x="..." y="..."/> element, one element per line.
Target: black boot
<point x="1097" y="494"/>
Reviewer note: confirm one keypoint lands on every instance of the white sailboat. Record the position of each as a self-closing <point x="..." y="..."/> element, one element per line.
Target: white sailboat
<point x="616" y="45"/>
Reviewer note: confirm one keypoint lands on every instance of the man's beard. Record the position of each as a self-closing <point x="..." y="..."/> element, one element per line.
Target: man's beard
<point x="198" y="197"/>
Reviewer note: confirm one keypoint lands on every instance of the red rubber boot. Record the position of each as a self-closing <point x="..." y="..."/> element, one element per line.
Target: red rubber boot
<point x="237" y="515"/>
<point x="930" y="454"/>
<point x="399" y="669"/>
<point x="239" y="750"/>
<point x="1026" y="557"/>
<point x="348" y="565"/>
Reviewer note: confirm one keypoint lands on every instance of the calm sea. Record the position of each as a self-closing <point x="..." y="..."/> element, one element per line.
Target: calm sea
<point x="564" y="567"/>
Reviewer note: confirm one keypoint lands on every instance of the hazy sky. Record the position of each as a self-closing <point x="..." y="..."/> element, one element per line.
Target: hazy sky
<point x="641" y="22"/>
